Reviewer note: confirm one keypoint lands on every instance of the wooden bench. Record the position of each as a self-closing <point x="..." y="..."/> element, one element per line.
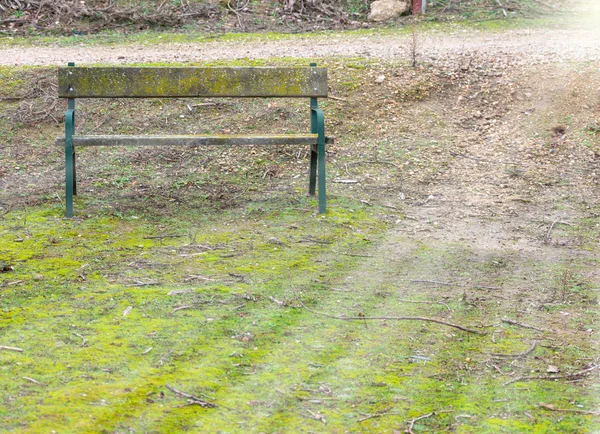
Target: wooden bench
<point x="182" y="82"/>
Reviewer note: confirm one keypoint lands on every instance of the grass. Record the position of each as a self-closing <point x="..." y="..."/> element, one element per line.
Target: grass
<point x="210" y="250"/>
<point x="267" y="366"/>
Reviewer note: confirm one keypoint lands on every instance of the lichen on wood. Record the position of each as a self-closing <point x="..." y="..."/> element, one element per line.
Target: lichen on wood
<point x="159" y="82"/>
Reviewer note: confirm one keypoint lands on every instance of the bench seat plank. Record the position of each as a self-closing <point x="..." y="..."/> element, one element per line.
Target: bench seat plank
<point x="196" y="140"/>
<point x="175" y="82"/>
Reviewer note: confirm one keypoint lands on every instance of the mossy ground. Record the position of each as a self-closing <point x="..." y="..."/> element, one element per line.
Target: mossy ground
<point x="210" y="251"/>
<point x="269" y="367"/>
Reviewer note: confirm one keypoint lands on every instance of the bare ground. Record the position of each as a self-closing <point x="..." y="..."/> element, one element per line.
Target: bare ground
<point x="526" y="46"/>
<point x="500" y="175"/>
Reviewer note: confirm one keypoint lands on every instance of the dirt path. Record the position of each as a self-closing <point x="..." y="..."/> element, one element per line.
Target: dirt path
<point x="532" y="46"/>
<point x="575" y="38"/>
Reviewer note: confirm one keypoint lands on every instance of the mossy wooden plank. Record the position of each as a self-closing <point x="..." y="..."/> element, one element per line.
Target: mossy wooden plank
<point x="160" y="82"/>
<point x="272" y="139"/>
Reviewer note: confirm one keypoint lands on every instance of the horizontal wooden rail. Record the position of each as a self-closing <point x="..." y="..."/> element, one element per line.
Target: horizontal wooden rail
<point x="271" y="139"/>
<point x="171" y="82"/>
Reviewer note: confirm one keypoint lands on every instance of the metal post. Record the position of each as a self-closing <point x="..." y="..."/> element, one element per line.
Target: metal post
<point x="417" y="7"/>
<point x="312" y="177"/>
<point x="70" y="183"/>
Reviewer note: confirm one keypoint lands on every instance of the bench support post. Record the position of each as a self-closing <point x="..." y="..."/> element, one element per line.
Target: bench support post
<point x="314" y="152"/>
<point x="70" y="175"/>
<point x="317" y="156"/>
<point x="321" y="157"/>
<point x="317" y="153"/>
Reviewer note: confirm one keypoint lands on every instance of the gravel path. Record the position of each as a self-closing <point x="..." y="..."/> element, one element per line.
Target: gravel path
<point x="577" y="39"/>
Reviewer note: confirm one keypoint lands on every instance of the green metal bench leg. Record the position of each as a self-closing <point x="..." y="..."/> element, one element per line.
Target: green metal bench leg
<point x="321" y="161"/>
<point x="69" y="161"/>
<point x="312" y="178"/>
<point x="317" y="153"/>
<point x="74" y="172"/>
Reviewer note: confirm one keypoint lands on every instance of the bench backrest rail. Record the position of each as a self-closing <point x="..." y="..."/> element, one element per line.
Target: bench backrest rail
<point x="99" y="82"/>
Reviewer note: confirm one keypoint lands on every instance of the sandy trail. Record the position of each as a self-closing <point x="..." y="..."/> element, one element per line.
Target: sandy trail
<point x="573" y="39"/>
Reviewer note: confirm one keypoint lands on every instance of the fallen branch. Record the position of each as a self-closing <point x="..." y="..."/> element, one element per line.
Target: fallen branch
<point x="83" y="340"/>
<point x="354" y="255"/>
<point x="371" y="416"/>
<point x="344" y="181"/>
<point x="336" y="98"/>
<point x="198" y="277"/>
<point x="386" y="163"/>
<point x="525" y="326"/>
<point x="141" y="283"/>
<point x="569" y="410"/>
<point x="315" y="416"/>
<point x="274" y="300"/>
<point x="163" y="358"/>
<point x="31" y="380"/>
<point x="391" y="318"/>
<point x="502" y="7"/>
<point x="572" y="376"/>
<point x="312" y="240"/>
<point x="460" y="285"/>
<point x="547" y="238"/>
<point x="192" y="400"/>
<point x="160" y="237"/>
<point x="519" y="355"/>
<point x="412" y="422"/>
<point x="3" y="347"/>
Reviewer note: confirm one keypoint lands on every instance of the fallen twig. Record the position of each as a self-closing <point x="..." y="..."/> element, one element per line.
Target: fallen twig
<point x="424" y="302"/>
<point x="312" y="240"/>
<point x="502" y="7"/>
<point x="163" y="358"/>
<point x="371" y="416"/>
<point x="391" y="318"/>
<point x="141" y="283"/>
<point x="3" y="347"/>
<point x="83" y="340"/>
<point x="205" y="104"/>
<point x="336" y="98"/>
<point x="160" y="237"/>
<point x="344" y="181"/>
<point x="569" y="410"/>
<point x="355" y="255"/>
<point x="386" y="163"/>
<point x="315" y="416"/>
<point x="192" y="400"/>
<point x="460" y="285"/>
<point x="412" y="422"/>
<point x="519" y="355"/>
<point x="274" y="300"/>
<point x="525" y="326"/>
<point x="31" y="380"/>
<point x="547" y="238"/>
<point x="572" y="376"/>
<point x="198" y="277"/>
